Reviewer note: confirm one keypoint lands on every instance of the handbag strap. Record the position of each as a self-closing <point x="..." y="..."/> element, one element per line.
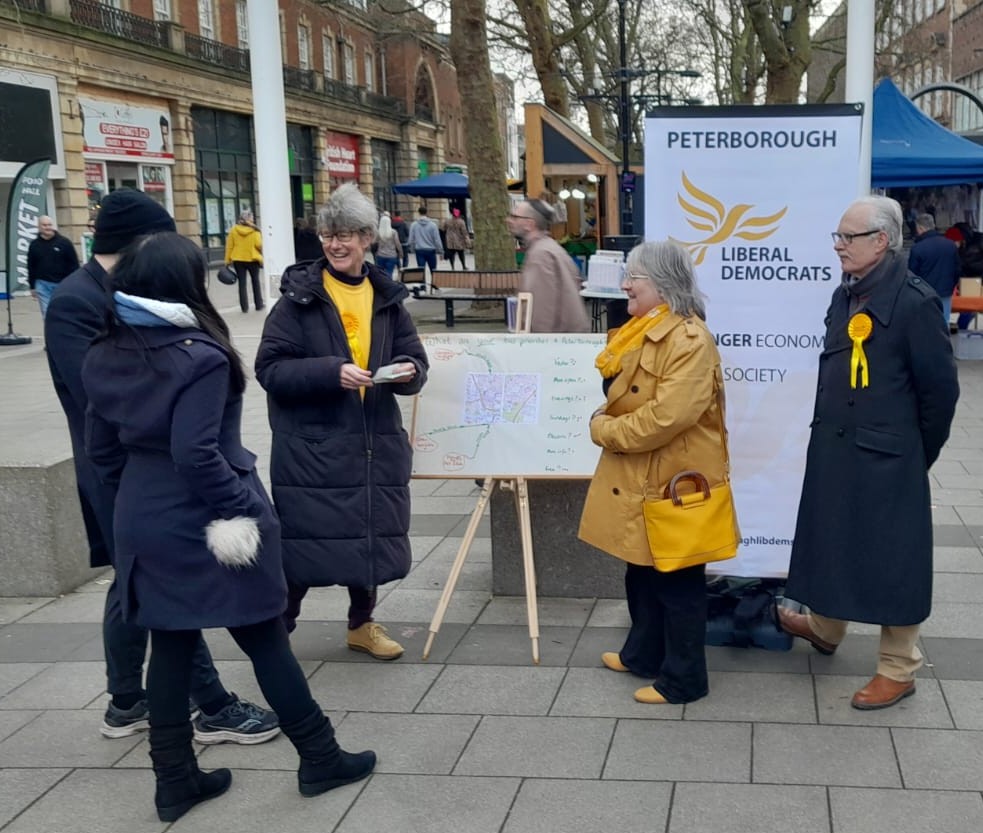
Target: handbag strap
<point x="719" y="389"/>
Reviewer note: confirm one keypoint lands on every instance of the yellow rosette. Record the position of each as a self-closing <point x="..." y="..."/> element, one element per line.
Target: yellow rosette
<point x="859" y="330"/>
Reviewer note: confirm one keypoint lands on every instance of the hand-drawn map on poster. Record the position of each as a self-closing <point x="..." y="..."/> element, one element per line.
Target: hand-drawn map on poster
<point x="502" y="405"/>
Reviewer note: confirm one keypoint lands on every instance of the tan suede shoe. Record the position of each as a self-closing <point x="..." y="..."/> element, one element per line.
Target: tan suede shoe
<point x="371" y="638"/>
<point x="612" y="660"/>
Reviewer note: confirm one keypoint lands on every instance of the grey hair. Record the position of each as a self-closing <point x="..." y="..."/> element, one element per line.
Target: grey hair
<point x="925" y="221"/>
<point x="348" y="209"/>
<point x="670" y="269"/>
<point x="543" y="214"/>
<point x="885" y="215"/>
<point x="245" y="216"/>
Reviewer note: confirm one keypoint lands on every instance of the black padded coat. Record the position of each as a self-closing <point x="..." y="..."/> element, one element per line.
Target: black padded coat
<point x="340" y="465"/>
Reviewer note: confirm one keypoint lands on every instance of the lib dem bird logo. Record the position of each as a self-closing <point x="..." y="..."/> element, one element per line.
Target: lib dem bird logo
<point x="708" y="214"/>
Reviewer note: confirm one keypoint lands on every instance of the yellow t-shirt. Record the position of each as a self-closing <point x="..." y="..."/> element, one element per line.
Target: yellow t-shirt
<point x="354" y="305"/>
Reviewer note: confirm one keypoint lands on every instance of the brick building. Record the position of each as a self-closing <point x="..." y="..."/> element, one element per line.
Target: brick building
<point x="156" y="95"/>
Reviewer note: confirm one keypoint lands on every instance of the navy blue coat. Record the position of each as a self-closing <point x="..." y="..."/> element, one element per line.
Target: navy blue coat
<point x="163" y="423"/>
<point x="935" y="259"/>
<point x="863" y="540"/>
<point x="76" y="315"/>
<point x="340" y="466"/>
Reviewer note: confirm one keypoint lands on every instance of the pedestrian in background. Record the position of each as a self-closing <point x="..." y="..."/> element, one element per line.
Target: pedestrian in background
<point x="425" y="241"/>
<point x="197" y="540"/>
<point x="403" y="232"/>
<point x="885" y="399"/>
<point x="306" y="245"/>
<point x="76" y="315"/>
<point x="244" y="253"/>
<point x="663" y="415"/>
<point x="51" y="258"/>
<point x="456" y="233"/>
<point x="389" y="251"/>
<point x="935" y="259"/>
<point x="340" y="466"/>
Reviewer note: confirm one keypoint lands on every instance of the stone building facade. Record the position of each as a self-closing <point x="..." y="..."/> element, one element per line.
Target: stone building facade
<point x="156" y="95"/>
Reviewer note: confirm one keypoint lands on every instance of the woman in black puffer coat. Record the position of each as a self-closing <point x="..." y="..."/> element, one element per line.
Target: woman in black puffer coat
<point x="340" y="465"/>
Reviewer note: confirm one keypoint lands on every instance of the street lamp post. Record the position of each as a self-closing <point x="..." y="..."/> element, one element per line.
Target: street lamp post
<point x="627" y="184"/>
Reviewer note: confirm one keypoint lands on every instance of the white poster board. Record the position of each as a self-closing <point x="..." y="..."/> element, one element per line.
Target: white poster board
<point x="507" y="405"/>
<point x="754" y="192"/>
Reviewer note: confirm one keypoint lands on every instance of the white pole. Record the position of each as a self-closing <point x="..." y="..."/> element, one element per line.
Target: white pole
<point x="270" y="131"/>
<point x="860" y="78"/>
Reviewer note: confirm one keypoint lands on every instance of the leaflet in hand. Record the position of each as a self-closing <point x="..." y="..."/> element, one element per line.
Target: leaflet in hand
<point x="392" y="373"/>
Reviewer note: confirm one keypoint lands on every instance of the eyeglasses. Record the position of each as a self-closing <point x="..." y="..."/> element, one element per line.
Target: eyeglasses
<point x="631" y="277"/>
<point x="345" y="236"/>
<point x="514" y="216"/>
<point x="846" y="239"/>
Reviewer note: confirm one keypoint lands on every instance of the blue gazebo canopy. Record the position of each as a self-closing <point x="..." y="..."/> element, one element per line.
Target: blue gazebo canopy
<point x="911" y="150"/>
<point x="438" y="185"/>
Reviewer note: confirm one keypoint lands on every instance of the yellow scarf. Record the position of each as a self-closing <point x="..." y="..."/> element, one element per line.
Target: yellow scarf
<point x="629" y="337"/>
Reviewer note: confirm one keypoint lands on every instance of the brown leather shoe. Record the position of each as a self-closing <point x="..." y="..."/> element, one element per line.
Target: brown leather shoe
<point x="882" y="692"/>
<point x="797" y="624"/>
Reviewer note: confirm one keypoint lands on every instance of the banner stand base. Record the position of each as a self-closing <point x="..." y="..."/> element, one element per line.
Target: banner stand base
<point x="11" y="339"/>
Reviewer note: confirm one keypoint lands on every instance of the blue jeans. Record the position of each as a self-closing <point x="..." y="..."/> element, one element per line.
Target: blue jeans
<point x="44" y="290"/>
<point x="946" y="310"/>
<point x="387" y="263"/>
<point x="427" y="257"/>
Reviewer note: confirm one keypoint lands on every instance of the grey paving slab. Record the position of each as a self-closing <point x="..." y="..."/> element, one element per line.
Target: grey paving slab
<point x="422" y="545"/>
<point x="547" y="747"/>
<point x="375" y="687"/>
<point x="757" y="660"/>
<point x="511" y="610"/>
<point x="847" y="756"/>
<point x="11" y="721"/>
<point x="609" y="613"/>
<point x="19" y="788"/>
<point x="424" y="744"/>
<point x="958" y="560"/>
<point x="498" y="690"/>
<point x="64" y="685"/>
<point x="888" y="811"/>
<point x="447" y="549"/>
<point x="92" y="650"/>
<point x="73" y="607"/>
<point x="430" y="804"/>
<point x="748" y="808"/>
<point x="945" y="515"/>
<point x="447" y="503"/>
<point x="925" y="709"/>
<point x="953" y="619"/>
<point x="432" y="575"/>
<point x="576" y="806"/>
<point x="953" y="535"/>
<point x="420" y="605"/>
<point x="595" y="641"/>
<point x="680" y="751"/>
<point x="440" y="525"/>
<point x="93" y="800"/>
<point x="43" y="642"/>
<point x="457" y="487"/>
<point x="780" y="698"/>
<point x="13" y="609"/>
<point x="965" y="700"/>
<point x="599" y="692"/>
<point x="856" y="656"/>
<point x="15" y="674"/>
<point x="63" y="739"/>
<point x="511" y="645"/>
<point x="957" y="587"/>
<point x="971" y="515"/>
<point x="954" y="659"/>
<point x="483" y="530"/>
<point x="263" y="802"/>
<point x="935" y="759"/>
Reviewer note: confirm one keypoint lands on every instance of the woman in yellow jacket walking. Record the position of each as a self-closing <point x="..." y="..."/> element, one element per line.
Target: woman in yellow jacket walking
<point x="661" y="374"/>
<point x="243" y="252"/>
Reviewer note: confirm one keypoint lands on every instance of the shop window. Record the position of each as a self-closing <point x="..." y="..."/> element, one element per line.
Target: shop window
<point x="384" y="174"/>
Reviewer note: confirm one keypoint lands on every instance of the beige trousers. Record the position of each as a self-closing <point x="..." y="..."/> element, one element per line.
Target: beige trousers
<point x="899" y="655"/>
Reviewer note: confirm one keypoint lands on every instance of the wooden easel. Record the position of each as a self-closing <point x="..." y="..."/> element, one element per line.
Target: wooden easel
<point x="520" y="488"/>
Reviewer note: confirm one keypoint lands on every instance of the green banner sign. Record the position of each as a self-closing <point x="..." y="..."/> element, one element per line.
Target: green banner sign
<point x="27" y="202"/>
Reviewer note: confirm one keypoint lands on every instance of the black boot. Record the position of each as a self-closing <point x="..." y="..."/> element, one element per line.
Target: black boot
<point x="323" y="764"/>
<point x="180" y="784"/>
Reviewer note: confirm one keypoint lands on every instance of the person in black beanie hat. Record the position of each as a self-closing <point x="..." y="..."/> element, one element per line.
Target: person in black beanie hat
<point x="76" y="315"/>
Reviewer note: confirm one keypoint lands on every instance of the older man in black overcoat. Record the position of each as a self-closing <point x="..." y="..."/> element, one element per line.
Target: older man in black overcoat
<point x="885" y="398"/>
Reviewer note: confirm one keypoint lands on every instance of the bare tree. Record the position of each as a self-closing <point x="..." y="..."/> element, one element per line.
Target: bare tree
<point x="486" y="160"/>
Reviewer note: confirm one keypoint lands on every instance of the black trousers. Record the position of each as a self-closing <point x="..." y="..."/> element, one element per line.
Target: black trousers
<point x="668" y="630"/>
<point x="266" y="644"/>
<point x="252" y="267"/>
<point x="361" y="603"/>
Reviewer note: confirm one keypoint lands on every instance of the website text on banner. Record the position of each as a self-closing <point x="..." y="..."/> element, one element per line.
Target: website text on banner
<point x="753" y="192"/>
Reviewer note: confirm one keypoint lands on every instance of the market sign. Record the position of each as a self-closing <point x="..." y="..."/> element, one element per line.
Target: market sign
<point x="110" y="128"/>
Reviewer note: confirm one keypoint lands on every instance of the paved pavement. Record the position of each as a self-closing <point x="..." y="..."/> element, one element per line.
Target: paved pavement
<point x="477" y="740"/>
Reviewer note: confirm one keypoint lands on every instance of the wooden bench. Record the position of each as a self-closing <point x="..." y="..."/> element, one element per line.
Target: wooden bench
<point x="483" y="286"/>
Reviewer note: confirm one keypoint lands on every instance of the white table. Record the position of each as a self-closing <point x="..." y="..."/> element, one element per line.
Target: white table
<point x="597" y="298"/>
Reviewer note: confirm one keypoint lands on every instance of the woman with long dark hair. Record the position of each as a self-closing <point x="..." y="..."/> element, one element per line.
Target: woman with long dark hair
<point x="197" y="540"/>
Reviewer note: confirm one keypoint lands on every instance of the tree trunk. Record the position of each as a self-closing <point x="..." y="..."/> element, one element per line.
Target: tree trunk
<point x="536" y="18"/>
<point x="494" y="248"/>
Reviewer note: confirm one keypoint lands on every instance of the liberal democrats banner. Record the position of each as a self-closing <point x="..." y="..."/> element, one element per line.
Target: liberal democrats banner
<point x="753" y="193"/>
<point x="28" y="200"/>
